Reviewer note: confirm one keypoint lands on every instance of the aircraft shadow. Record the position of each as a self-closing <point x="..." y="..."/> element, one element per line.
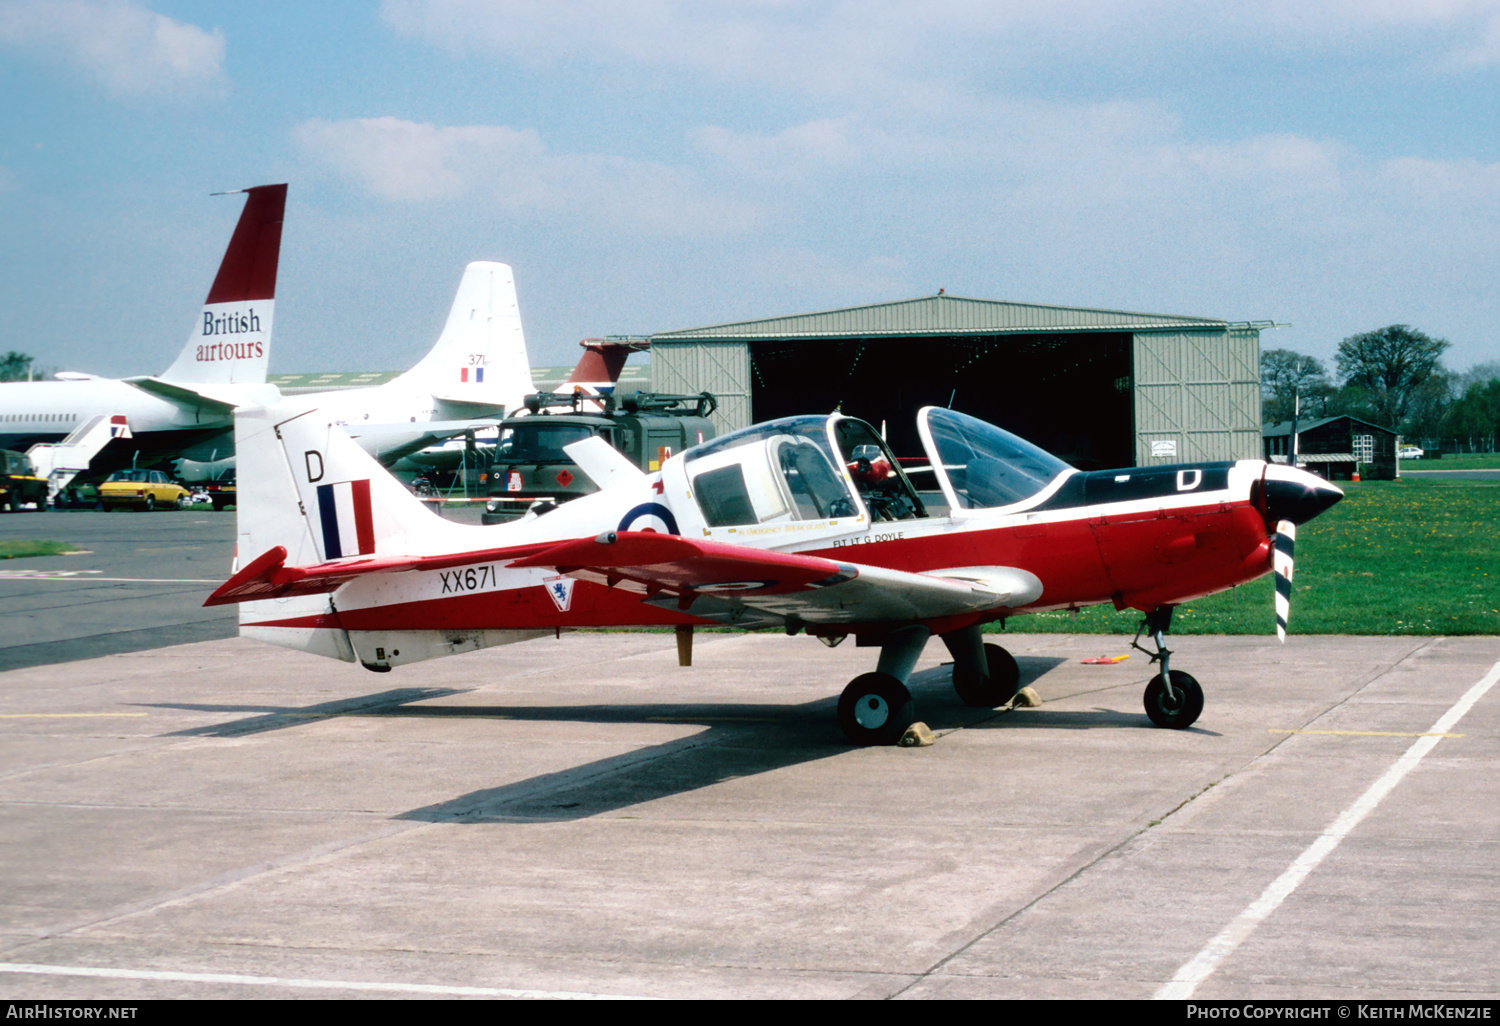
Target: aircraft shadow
<point x="280" y="717"/>
<point x="739" y="740"/>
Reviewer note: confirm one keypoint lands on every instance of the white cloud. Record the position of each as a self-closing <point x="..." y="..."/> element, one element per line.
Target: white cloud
<point x="914" y="52"/>
<point x="514" y="171"/>
<point x="130" y="50"/>
<point x="800" y="151"/>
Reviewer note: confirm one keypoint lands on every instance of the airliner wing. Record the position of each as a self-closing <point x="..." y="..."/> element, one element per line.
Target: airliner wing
<point x="390" y="442"/>
<point x="217" y="401"/>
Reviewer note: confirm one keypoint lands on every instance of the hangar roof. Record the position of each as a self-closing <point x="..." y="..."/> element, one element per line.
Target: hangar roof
<point x="938" y="315"/>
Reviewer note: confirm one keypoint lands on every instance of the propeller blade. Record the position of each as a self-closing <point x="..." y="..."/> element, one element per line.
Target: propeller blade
<point x="1281" y="565"/>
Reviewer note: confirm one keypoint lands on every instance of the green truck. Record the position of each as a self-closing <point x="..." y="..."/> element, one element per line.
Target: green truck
<point x="19" y="483"/>
<point x="531" y="470"/>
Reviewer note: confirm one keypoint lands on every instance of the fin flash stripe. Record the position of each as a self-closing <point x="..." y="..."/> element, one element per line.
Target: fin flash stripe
<point x="345" y="516"/>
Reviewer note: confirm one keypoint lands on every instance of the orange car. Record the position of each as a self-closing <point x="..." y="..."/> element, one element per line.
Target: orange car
<point x="141" y="489"/>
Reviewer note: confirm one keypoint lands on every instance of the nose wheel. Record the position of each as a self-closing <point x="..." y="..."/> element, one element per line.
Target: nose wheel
<point x="1177" y="708"/>
<point x="875" y="709"/>
<point x="1173" y="699"/>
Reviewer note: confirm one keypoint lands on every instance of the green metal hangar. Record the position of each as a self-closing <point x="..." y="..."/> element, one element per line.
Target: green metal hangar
<point x="1099" y="388"/>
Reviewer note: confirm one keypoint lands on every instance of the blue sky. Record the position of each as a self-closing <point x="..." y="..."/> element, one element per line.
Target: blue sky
<point x="648" y="166"/>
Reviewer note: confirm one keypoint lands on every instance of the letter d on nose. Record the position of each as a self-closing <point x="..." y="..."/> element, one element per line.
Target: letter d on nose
<point x="314" y="459"/>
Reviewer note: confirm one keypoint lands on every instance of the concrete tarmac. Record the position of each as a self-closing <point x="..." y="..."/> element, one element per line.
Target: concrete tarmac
<point x="583" y="817"/>
<point x="136" y="581"/>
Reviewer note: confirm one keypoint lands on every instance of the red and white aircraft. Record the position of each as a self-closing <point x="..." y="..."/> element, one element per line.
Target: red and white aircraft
<point x="803" y="524"/>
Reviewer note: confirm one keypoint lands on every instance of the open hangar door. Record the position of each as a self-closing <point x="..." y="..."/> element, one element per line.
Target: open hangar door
<point x="1069" y="393"/>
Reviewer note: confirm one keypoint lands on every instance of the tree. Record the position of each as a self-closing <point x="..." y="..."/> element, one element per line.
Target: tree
<point x="1284" y="375"/>
<point x="1475" y="418"/>
<point x="14" y="366"/>
<point x="1390" y="365"/>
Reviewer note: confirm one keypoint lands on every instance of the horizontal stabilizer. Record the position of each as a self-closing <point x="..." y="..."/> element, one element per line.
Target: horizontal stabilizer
<point x="447" y="407"/>
<point x="217" y="401"/>
<point x="268" y="576"/>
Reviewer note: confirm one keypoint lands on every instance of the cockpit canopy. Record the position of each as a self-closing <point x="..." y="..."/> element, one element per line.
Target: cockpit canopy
<point x="828" y="468"/>
<point x="980" y="466"/>
<point x="799" y="469"/>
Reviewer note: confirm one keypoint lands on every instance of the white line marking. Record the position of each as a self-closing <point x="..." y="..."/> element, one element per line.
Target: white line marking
<point x="1186" y="980"/>
<point x="276" y="981"/>
<point x="78" y="576"/>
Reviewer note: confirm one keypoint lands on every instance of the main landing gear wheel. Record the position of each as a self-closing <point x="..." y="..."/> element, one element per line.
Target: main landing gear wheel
<point x="875" y="709"/>
<point x="995" y="689"/>
<point x="1181" y="709"/>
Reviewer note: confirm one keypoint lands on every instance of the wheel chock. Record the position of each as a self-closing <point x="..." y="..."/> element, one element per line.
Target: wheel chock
<point x="1026" y="698"/>
<point x="918" y="735"/>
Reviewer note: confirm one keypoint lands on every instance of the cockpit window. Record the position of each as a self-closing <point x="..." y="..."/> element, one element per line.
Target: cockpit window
<point x="770" y="473"/>
<point x="540" y="442"/>
<point x="981" y="466"/>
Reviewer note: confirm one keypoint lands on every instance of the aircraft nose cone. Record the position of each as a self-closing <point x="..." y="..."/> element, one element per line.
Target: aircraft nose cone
<point x="1296" y="495"/>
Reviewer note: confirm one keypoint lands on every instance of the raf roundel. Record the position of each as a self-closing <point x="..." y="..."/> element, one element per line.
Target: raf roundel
<point x="649" y="516"/>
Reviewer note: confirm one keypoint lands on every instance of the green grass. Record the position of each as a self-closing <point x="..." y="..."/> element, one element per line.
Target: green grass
<point x="1394" y="557"/>
<point x="1456" y="461"/>
<point x="12" y="549"/>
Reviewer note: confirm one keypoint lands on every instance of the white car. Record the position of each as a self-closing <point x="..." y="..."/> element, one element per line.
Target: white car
<point x="1409" y="452"/>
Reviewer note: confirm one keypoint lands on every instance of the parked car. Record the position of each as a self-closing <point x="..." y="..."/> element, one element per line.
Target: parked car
<point x="1410" y="452"/>
<point x="142" y="489"/>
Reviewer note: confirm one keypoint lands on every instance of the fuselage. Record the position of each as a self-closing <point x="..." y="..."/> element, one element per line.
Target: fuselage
<point x="1141" y="538"/>
<point x="1154" y="550"/>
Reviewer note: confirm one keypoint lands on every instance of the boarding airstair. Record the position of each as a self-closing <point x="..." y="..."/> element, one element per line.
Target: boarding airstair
<point x="60" y="462"/>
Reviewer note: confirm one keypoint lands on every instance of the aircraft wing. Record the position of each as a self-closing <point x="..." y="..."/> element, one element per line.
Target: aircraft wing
<point x="731" y="584"/>
<point x="390" y="442"/>
<point x="744" y="586"/>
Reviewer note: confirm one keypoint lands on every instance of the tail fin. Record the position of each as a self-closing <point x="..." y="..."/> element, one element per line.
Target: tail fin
<point x="231" y="341"/>
<point x="602" y="360"/>
<point x="306" y="486"/>
<point x="599" y="367"/>
<point x="480" y="358"/>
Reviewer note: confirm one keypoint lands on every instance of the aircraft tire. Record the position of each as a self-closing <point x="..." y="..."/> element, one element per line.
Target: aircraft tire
<point x="875" y="709"/>
<point x="997" y="688"/>
<point x="1184" y="712"/>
